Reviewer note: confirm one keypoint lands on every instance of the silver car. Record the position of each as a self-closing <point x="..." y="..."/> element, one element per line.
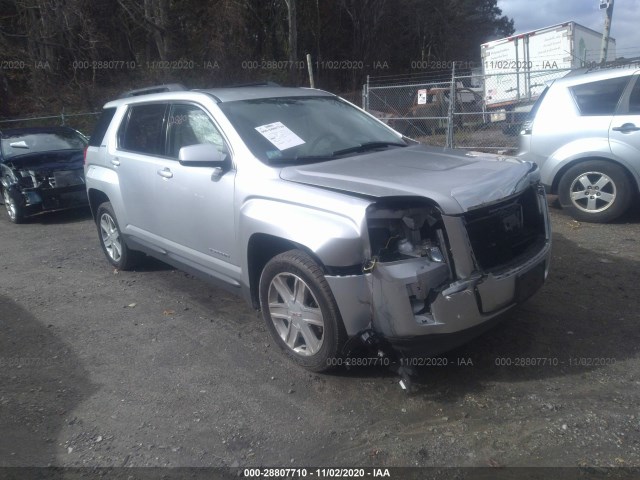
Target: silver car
<point x="339" y="229"/>
<point x="584" y="133"/>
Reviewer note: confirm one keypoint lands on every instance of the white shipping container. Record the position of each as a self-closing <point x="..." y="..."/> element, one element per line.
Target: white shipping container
<point x="517" y="68"/>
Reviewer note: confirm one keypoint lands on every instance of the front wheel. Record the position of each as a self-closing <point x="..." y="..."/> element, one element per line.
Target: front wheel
<point x="300" y="311"/>
<point x="595" y="191"/>
<point x="111" y="241"/>
<point x="13" y="206"/>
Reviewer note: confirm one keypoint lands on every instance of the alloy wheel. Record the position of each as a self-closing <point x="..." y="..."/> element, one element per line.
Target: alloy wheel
<point x="295" y="313"/>
<point x="110" y="237"/>
<point x="10" y="204"/>
<point x="593" y="192"/>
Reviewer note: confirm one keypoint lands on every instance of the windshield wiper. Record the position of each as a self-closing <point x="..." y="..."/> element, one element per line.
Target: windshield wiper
<point x="368" y="146"/>
<point x="299" y="160"/>
<point x="316" y="158"/>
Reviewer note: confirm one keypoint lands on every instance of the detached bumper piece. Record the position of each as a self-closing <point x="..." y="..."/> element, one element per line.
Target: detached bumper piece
<point x="38" y="200"/>
<point x="64" y="197"/>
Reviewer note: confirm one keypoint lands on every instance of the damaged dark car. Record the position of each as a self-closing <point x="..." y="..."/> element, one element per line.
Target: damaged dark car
<point x="41" y="169"/>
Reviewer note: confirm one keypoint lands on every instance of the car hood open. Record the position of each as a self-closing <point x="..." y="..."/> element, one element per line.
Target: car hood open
<point x="457" y="181"/>
<point x="52" y="160"/>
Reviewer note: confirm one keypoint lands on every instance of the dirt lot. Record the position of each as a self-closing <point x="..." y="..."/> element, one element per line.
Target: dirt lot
<point x="156" y="368"/>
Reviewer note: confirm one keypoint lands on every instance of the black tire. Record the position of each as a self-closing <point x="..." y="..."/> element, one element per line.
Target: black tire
<point x="111" y="240"/>
<point x="13" y="205"/>
<point x="314" y="342"/>
<point x="595" y="191"/>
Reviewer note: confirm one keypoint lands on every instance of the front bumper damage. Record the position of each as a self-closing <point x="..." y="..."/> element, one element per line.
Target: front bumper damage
<point x="36" y="200"/>
<point x="46" y="192"/>
<point x="423" y="307"/>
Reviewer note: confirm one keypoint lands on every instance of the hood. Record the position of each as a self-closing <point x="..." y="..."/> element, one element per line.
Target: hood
<point x="53" y="160"/>
<point x="457" y="181"/>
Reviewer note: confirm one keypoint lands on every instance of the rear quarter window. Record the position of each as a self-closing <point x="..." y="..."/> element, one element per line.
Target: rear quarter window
<point x="599" y="98"/>
<point x="634" y="99"/>
<point x="101" y="127"/>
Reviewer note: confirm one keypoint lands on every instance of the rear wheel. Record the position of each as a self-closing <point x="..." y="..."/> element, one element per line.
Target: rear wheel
<point x="301" y="312"/>
<point x="13" y="206"/>
<point x="595" y="191"/>
<point x="113" y="245"/>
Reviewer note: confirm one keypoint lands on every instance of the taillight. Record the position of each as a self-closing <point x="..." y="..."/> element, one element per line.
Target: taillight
<point x="85" y="154"/>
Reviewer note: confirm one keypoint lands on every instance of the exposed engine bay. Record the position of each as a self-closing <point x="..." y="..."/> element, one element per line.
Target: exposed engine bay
<point x="403" y="228"/>
<point x="32" y="178"/>
<point x="408" y="255"/>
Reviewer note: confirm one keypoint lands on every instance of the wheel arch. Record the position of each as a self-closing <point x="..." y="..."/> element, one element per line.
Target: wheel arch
<point x="560" y="173"/>
<point x="261" y="248"/>
<point x="96" y="198"/>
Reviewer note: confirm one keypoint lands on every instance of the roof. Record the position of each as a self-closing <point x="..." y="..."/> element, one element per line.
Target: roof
<point x="251" y="93"/>
<point x="579" y="76"/>
<point x="225" y="94"/>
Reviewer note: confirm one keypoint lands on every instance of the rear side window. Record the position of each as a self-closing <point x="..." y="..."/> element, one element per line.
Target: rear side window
<point x="634" y="99"/>
<point x="101" y="127"/>
<point x="143" y="131"/>
<point x="599" y="98"/>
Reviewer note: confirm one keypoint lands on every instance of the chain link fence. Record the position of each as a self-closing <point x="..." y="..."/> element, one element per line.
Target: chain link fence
<point x="83" y="122"/>
<point x="486" y="113"/>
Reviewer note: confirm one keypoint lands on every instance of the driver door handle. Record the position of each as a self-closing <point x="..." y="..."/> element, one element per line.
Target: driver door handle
<point x="165" y="173"/>
<point x="626" y="128"/>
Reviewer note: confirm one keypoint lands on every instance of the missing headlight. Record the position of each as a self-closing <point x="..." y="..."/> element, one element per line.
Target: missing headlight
<point x="404" y="228"/>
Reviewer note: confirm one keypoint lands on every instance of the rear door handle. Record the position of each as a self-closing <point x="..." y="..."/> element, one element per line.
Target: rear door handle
<point x="115" y="162"/>
<point x="165" y="173"/>
<point x="626" y="128"/>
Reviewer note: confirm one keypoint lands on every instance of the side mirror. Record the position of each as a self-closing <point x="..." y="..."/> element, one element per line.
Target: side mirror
<point x="203" y="154"/>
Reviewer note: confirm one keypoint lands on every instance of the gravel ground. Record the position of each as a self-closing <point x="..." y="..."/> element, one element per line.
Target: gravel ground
<point x="155" y="368"/>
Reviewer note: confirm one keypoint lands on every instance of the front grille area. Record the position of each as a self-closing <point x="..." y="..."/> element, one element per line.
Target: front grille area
<point x="501" y="233"/>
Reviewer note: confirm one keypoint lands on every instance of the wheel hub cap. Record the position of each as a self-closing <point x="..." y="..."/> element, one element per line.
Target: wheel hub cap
<point x="295" y="314"/>
<point x="593" y="192"/>
<point x="110" y="237"/>
<point x="9" y="204"/>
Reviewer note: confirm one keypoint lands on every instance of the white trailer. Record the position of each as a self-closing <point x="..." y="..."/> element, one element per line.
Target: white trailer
<point x="517" y="68"/>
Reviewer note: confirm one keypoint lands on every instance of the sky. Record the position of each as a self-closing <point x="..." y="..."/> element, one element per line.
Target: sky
<point x="534" y="14"/>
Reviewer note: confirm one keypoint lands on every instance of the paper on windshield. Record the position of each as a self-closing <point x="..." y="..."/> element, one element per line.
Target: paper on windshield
<point x="281" y="136"/>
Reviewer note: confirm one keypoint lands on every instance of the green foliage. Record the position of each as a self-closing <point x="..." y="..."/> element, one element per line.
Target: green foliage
<point x="85" y="44"/>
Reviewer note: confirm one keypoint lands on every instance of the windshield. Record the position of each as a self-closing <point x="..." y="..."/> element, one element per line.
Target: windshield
<point x="14" y="145"/>
<point x="294" y="130"/>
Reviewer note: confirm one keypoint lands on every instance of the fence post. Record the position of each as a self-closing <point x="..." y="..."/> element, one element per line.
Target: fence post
<point x="452" y="109"/>
<point x="365" y="99"/>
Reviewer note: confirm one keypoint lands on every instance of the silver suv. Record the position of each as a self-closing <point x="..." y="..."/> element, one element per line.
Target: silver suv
<point x="332" y="224"/>
<point x="584" y="133"/>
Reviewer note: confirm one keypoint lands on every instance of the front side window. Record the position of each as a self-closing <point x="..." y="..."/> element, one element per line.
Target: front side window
<point x="190" y="125"/>
<point x="143" y="131"/>
<point x="290" y="130"/>
<point x="599" y="98"/>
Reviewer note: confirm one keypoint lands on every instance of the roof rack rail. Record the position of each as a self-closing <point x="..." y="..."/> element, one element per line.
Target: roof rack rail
<point x="254" y="84"/>
<point x="617" y="63"/>
<point x="169" y="87"/>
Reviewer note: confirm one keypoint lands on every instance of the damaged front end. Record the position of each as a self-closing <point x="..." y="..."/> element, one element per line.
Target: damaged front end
<point x="434" y="281"/>
<point x="36" y="189"/>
